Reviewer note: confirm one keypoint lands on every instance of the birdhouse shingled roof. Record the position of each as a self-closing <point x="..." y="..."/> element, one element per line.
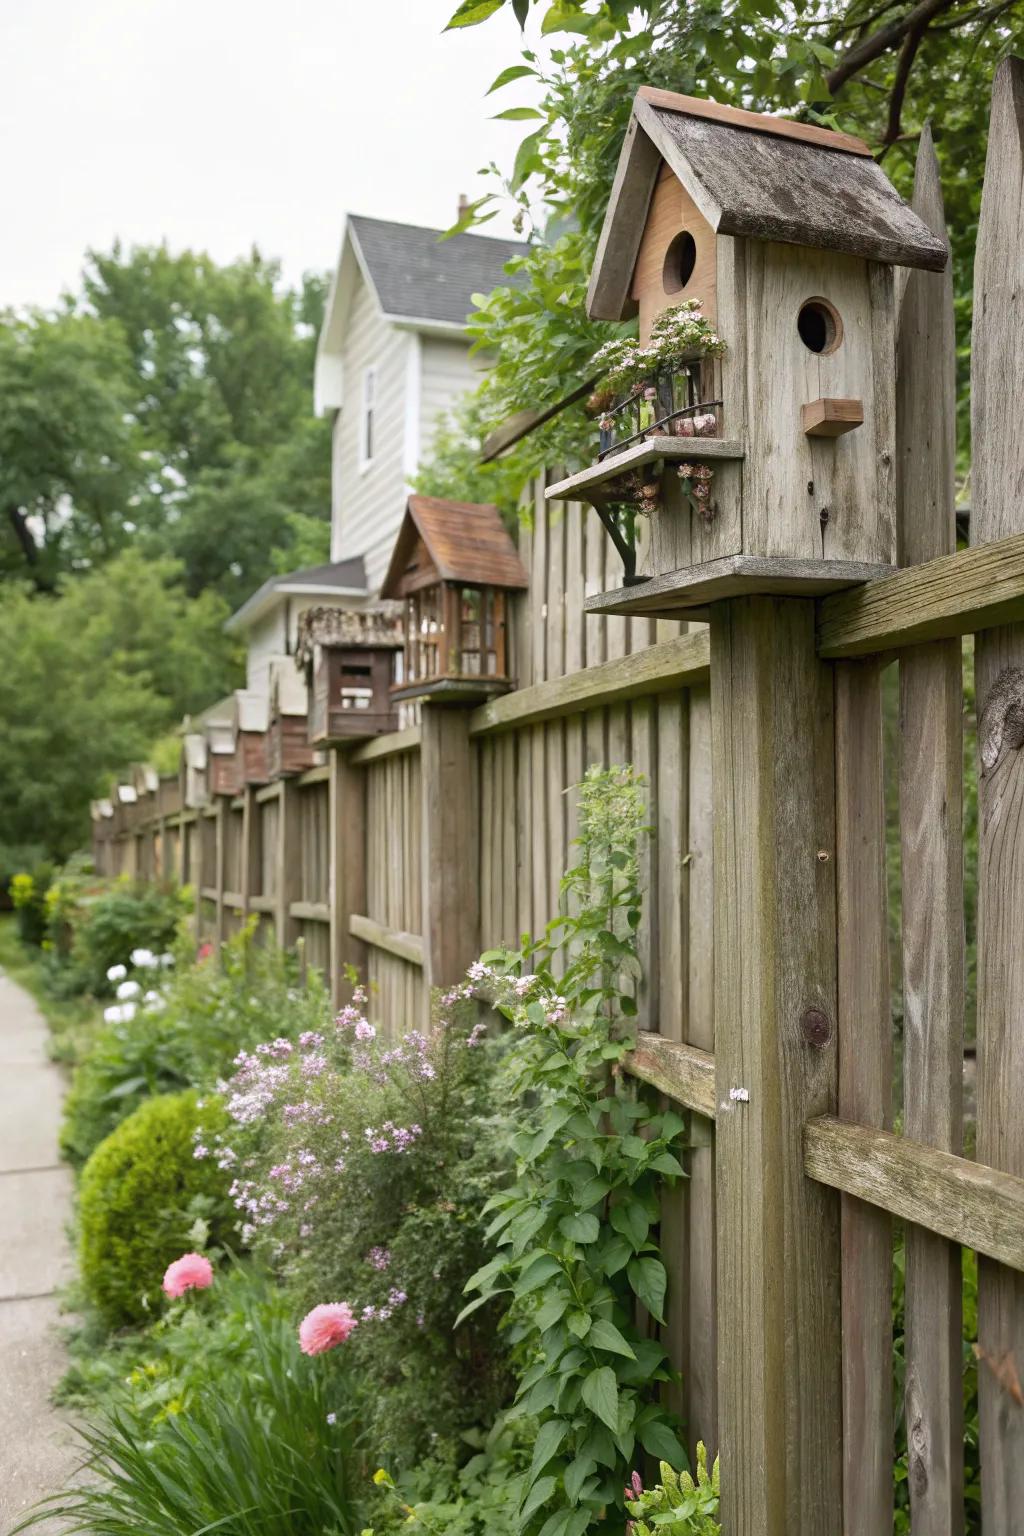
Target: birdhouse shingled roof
<point x="466" y="541"/>
<point x="755" y="177"/>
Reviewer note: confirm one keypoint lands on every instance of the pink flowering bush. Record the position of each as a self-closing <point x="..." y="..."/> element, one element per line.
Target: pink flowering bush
<point x="358" y="1166"/>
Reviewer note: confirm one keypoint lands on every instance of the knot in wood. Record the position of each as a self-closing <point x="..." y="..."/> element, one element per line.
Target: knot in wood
<point x="816" y="1027"/>
<point x="1001" y="727"/>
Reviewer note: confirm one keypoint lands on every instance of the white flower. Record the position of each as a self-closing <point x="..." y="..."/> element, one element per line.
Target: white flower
<point x="166" y="959"/>
<point x="119" y="1013"/>
<point x="144" y="959"/>
<point x="117" y="973"/>
<point x="154" y="1002"/>
<point x="128" y="989"/>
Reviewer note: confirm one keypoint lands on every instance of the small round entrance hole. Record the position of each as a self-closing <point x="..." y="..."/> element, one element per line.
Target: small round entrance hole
<point x="680" y="260"/>
<point x="819" y="326"/>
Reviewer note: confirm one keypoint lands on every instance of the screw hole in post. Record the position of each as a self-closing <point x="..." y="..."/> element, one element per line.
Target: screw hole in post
<point x="819" y="326"/>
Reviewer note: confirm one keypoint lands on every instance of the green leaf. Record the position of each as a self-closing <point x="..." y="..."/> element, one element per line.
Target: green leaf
<point x="472" y="1307"/>
<point x="551" y="1310"/>
<point x="580" y="1229"/>
<point x="576" y="1474"/>
<point x="579" y="1323"/>
<point x="536" y="1274"/>
<point x="667" y="1164"/>
<point x="630" y="1219"/>
<point x="525" y="164"/>
<point x="516" y="115"/>
<point x="549" y="1438"/>
<point x="648" y="1279"/>
<point x="601" y="1395"/>
<point x="472" y="12"/>
<point x="605" y="1335"/>
<point x="485" y="1273"/>
<point x="659" y="1441"/>
<point x="538" y="1495"/>
<point x="616" y="1255"/>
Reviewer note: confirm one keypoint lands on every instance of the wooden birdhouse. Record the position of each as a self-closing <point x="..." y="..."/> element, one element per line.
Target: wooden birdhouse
<point x="289" y="747"/>
<point x="745" y="442"/>
<point x="454" y="568"/>
<point x="251" y="721"/>
<point x="194" y="788"/>
<point x="224" y="768"/>
<point x="348" y="656"/>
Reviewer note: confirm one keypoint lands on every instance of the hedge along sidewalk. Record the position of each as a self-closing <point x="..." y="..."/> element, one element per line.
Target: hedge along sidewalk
<point x="35" y="1201"/>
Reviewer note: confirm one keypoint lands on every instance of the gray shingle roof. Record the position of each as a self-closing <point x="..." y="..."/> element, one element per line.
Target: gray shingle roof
<point x="344" y="574"/>
<point x="421" y="277"/>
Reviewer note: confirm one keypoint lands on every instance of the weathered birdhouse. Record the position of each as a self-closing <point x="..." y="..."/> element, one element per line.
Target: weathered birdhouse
<point x="251" y="720"/>
<point x="224" y="767"/>
<point x="348" y="657"/>
<point x="454" y="568"/>
<point x="289" y="747"/>
<point x="194" y="788"/>
<point x="745" y="442"/>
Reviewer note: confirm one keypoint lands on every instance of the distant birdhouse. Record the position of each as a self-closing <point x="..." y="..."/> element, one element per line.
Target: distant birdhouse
<point x="348" y="656"/>
<point x="224" y="767"/>
<point x="289" y="748"/>
<point x="454" y="568"/>
<point x="745" y="441"/>
<point x="251" y="719"/>
<point x="194" y="788"/>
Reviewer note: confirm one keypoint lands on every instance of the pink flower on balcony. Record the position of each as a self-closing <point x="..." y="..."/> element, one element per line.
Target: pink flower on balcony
<point x="326" y="1327"/>
<point x="192" y="1272"/>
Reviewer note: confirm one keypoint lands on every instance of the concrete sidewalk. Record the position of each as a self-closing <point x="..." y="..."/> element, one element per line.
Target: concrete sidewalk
<point x="37" y="1451"/>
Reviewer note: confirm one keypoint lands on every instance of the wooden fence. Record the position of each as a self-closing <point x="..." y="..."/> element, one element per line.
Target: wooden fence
<point x="766" y="1007"/>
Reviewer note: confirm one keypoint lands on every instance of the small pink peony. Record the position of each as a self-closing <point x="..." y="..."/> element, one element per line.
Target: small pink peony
<point x="192" y="1272"/>
<point x="325" y="1327"/>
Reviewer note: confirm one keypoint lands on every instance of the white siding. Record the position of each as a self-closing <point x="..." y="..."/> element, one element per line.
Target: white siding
<point x="367" y="505"/>
<point x="265" y="640"/>
<point x="448" y="374"/>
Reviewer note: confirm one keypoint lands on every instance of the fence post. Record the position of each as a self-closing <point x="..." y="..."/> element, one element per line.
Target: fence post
<point x="289" y="862"/>
<point x="220" y="831"/>
<point x="451" y="891"/>
<point x="779" y="1343"/>
<point x="347" y="865"/>
<point x="250" y="849"/>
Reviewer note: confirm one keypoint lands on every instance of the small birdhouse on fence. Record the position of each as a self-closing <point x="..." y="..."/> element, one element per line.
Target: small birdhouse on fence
<point x="224" y="768"/>
<point x="251" y="720"/>
<point x="125" y="800"/>
<point x="194" y="790"/>
<point x="745" y="441"/>
<point x="288" y="744"/>
<point x="454" y="569"/>
<point x="348" y="658"/>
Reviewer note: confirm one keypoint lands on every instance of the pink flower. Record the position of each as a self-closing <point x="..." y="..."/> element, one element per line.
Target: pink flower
<point x="192" y="1272"/>
<point x="325" y="1327"/>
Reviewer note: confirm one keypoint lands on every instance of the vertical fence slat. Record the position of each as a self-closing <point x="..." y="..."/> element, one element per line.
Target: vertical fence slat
<point x="865" y="1094"/>
<point x="779" y="1342"/>
<point x="931" y="821"/>
<point x="997" y="496"/>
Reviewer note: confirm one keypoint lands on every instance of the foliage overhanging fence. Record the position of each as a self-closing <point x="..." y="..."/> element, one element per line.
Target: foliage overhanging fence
<point x="766" y="1005"/>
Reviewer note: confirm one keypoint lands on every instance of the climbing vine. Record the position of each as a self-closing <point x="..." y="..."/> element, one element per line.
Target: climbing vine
<point x="576" y="1229"/>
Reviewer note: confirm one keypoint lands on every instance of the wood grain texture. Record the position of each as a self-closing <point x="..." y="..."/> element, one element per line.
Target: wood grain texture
<point x="997" y="510"/>
<point x="608" y="296"/>
<point x="831" y="418"/>
<point x="931" y="834"/>
<point x="346" y="866"/>
<point x="407" y="740"/>
<point x="657" y="669"/>
<point x="865" y="1094"/>
<point x="677" y="449"/>
<point x="779" y="1340"/>
<point x="406" y="946"/>
<point x="682" y="1072"/>
<point x="690" y="593"/>
<point x="956" y="594"/>
<point x="450" y="846"/>
<point x="289" y="867"/>
<point x="755" y="122"/>
<point x="956" y="1198"/>
<point x="672" y="211"/>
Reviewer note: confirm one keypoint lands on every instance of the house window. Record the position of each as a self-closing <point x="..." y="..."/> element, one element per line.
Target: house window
<point x="367" y="425"/>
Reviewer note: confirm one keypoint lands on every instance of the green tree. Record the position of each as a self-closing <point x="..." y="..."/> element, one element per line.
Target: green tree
<point x="88" y="677"/>
<point x="877" y="70"/>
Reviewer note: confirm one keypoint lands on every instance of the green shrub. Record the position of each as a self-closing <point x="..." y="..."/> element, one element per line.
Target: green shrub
<point x="208" y="1012"/>
<point x="28" y="890"/>
<point x="94" y="927"/>
<point x="256" y="1440"/>
<point x="141" y="1194"/>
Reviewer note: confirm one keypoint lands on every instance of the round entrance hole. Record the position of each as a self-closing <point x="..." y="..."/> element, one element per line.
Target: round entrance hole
<point x="680" y="260"/>
<point x="819" y="326"/>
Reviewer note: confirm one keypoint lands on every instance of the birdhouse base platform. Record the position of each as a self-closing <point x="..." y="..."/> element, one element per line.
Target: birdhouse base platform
<point x="454" y="690"/>
<point x="691" y="591"/>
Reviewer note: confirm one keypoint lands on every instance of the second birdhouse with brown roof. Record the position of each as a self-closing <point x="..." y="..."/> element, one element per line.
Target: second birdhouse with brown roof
<point x="745" y="440"/>
<point x="454" y="568"/>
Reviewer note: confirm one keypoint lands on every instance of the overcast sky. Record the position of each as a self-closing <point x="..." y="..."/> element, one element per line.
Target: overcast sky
<point x="219" y="123"/>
